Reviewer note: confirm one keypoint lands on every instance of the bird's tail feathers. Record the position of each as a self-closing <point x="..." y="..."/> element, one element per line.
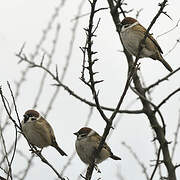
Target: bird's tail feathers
<point x="55" y="145"/>
<point x="115" y="157"/>
<point x="168" y="67"/>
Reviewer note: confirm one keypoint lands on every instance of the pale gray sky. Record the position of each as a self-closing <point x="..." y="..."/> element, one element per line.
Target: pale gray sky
<point x="23" y="21"/>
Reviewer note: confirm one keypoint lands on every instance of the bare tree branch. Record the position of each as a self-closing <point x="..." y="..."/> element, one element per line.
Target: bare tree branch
<point x="141" y="164"/>
<point x="175" y="142"/>
<point x="146" y="106"/>
<point x="162" y="79"/>
<point x="33" y="148"/>
<point x="71" y="92"/>
<point x="167" y="98"/>
<point x="177" y="24"/>
<point x="92" y="82"/>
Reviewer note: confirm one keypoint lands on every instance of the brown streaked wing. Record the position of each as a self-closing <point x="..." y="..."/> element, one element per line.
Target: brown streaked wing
<point x="45" y="128"/>
<point x="143" y="30"/>
<point x="98" y="141"/>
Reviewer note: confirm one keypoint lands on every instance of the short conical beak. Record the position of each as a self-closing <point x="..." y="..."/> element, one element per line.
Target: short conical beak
<point x="25" y="117"/>
<point x="76" y="133"/>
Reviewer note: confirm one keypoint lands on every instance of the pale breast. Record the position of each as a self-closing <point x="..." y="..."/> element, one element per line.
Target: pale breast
<point x="33" y="136"/>
<point x="86" y="149"/>
<point x="131" y="42"/>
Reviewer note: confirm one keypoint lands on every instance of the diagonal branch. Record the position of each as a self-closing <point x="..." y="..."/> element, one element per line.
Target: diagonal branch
<point x="162" y="79"/>
<point x="71" y="92"/>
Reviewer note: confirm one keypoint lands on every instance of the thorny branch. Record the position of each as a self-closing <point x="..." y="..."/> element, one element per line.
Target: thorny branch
<point x="92" y="82"/>
<point x="66" y="88"/>
<point x="78" y="97"/>
<point x="162" y="6"/>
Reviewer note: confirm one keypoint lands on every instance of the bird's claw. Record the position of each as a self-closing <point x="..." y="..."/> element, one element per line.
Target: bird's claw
<point x="97" y="169"/>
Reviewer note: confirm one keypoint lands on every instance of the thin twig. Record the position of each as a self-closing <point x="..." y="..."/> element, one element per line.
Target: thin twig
<point x="167" y="98"/>
<point x="157" y="164"/>
<point x="33" y="148"/>
<point x="175" y="142"/>
<point x="68" y="58"/>
<point x="162" y="79"/>
<point x="50" y="56"/>
<point x="177" y="24"/>
<point x="137" y="159"/>
<point x="92" y="82"/>
<point x="71" y="92"/>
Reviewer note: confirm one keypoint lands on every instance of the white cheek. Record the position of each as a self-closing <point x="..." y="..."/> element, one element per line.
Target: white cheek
<point x="123" y="29"/>
<point x="92" y="132"/>
<point x="126" y="28"/>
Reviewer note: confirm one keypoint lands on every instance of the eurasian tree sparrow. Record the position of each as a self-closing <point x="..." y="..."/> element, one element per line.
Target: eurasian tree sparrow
<point x="38" y="131"/>
<point x="132" y="33"/>
<point x="87" y="143"/>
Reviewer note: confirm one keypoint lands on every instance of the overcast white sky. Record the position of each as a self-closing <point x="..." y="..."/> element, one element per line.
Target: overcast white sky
<point x="23" y="21"/>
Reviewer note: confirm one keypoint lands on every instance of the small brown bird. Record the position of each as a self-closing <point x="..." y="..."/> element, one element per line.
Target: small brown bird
<point x="87" y="142"/>
<point x="38" y="131"/>
<point x="132" y="33"/>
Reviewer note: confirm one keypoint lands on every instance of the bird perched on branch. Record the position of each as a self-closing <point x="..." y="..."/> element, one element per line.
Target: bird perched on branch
<point x="38" y="131"/>
<point x="87" y="143"/>
<point x="132" y="33"/>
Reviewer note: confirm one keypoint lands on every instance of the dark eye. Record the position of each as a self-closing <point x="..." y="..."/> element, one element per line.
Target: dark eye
<point x="126" y="25"/>
<point x="83" y="135"/>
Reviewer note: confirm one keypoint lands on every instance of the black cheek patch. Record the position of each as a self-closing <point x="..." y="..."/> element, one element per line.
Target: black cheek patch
<point x="33" y="119"/>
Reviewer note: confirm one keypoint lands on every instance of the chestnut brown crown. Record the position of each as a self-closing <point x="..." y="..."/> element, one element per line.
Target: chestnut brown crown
<point x="128" y="20"/>
<point x="32" y="113"/>
<point x="84" y="130"/>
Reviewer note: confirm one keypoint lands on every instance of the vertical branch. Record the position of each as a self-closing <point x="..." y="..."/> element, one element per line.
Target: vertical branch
<point x="175" y="142"/>
<point x="90" y="53"/>
<point x="9" y="172"/>
<point x="92" y="82"/>
<point x="146" y="105"/>
<point x="157" y="154"/>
